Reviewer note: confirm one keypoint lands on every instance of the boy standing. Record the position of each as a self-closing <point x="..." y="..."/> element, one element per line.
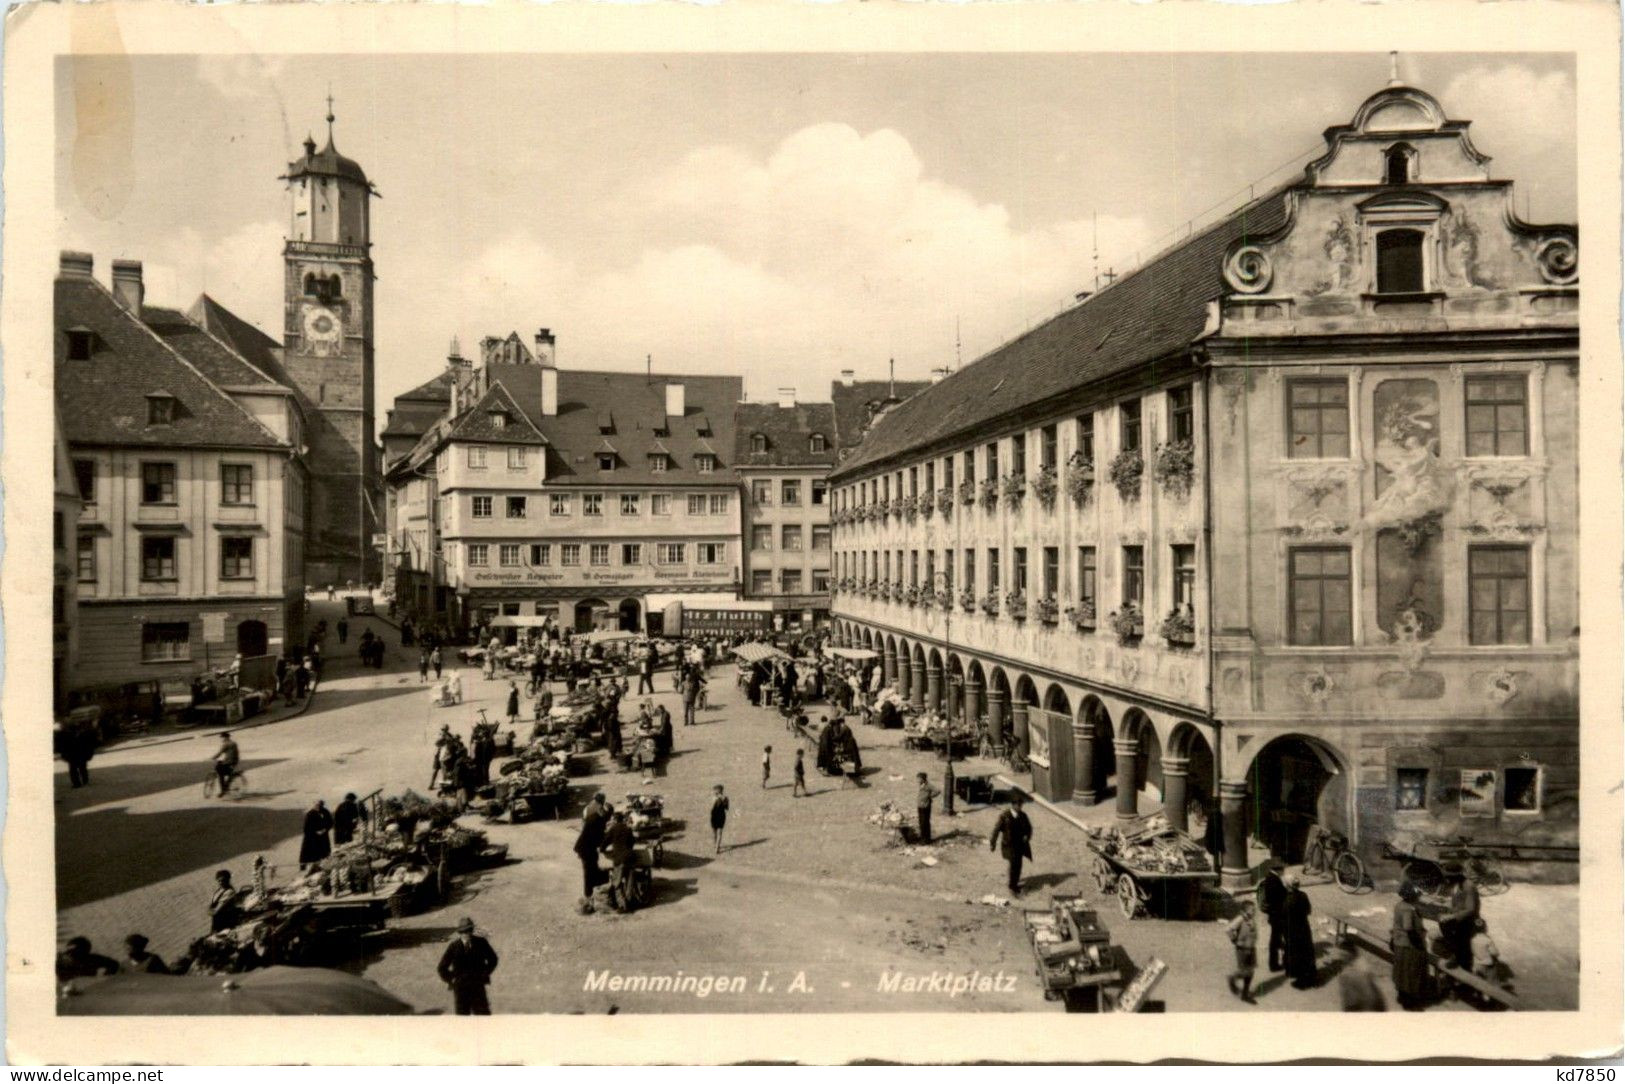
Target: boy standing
<point x="1243" y="933"/>
<point x="767" y="764"/>
<point x="800" y="788"/>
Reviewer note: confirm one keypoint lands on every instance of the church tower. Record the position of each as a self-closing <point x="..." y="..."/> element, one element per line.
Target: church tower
<point x="328" y="352"/>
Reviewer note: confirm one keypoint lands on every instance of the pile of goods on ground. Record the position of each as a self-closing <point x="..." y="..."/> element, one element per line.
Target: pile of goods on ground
<point x="1152" y="845"/>
<point x="888" y="815"/>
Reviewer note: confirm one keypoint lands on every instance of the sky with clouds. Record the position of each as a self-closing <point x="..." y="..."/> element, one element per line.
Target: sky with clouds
<point x="782" y="216"/>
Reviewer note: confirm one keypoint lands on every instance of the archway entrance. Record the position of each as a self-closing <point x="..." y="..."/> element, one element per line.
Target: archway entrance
<point x="586" y="613"/>
<point x="629" y="615"/>
<point x="1295" y="783"/>
<point x="252" y="640"/>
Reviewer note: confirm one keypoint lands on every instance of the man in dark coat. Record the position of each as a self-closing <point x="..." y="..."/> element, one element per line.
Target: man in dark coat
<point x="594" y="819"/>
<point x="618" y="847"/>
<point x="345" y="817"/>
<point x="1300" y="938"/>
<point x="316" y="845"/>
<point x="1012" y="836"/>
<point x="923" y="806"/>
<point x="484" y="749"/>
<point x="78" y="746"/>
<point x="76" y="961"/>
<point x="646" y="671"/>
<point x="466" y="967"/>
<point x="1272" y="903"/>
<point x="1456" y="924"/>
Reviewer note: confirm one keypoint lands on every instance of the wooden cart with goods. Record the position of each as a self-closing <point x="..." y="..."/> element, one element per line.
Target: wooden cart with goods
<point x="1074" y="953"/>
<point x="646" y="816"/>
<point x="268" y="937"/>
<point x="1152" y="868"/>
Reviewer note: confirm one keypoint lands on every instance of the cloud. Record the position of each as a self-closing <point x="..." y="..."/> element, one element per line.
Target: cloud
<point x="835" y="249"/>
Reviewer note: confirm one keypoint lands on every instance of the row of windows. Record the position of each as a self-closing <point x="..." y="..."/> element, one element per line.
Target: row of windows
<point x="761" y="492"/>
<point x="518" y="459"/>
<point x="1520" y="791"/>
<point x="1495" y="421"/>
<point x="879" y="565"/>
<point x="790" y="581"/>
<point x="592" y="504"/>
<point x="599" y="554"/>
<point x="1181" y="427"/>
<point x="158" y="553"/>
<point x="816" y="444"/>
<point x="790" y="536"/>
<point x="158" y="482"/>
<point x="1319" y="585"/>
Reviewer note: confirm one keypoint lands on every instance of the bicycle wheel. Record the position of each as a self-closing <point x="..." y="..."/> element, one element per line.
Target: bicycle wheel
<point x="208" y="786"/>
<point x="1314" y="858"/>
<point x="239" y="783"/>
<point x="1349" y="872"/>
<point x="1425" y="875"/>
<point x="1486" y="873"/>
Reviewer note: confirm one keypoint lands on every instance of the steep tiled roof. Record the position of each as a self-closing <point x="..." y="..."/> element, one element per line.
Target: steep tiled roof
<point x="103" y="400"/>
<point x="854" y="403"/>
<point x="416" y="410"/>
<point x="260" y="350"/>
<point x="213" y="358"/>
<point x="1149" y="314"/>
<point x="638" y="409"/>
<point x="477" y="423"/>
<point x="788" y="431"/>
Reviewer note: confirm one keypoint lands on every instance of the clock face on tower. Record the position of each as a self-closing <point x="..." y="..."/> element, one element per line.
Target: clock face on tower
<point x="323" y="331"/>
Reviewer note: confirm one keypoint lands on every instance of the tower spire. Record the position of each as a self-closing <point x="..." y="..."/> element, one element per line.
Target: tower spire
<point x="330" y="114"/>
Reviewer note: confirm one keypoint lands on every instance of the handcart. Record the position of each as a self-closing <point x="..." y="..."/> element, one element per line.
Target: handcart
<point x="1073" y="949"/>
<point x="646" y="816"/>
<point x="1151" y="868"/>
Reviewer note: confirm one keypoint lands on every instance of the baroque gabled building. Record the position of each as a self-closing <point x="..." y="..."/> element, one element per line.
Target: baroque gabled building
<point x="1277" y="531"/>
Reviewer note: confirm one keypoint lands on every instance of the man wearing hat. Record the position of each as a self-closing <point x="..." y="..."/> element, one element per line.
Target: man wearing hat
<point x="1272" y="903"/>
<point x="1016" y="832"/>
<point x="1456" y="924"/>
<point x="466" y="967"/>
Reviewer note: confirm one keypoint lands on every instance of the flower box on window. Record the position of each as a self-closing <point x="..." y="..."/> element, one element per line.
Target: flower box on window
<point x="1015" y="488"/>
<point x="1179" y="628"/>
<point x="1045" y="486"/>
<point x="1126" y="472"/>
<point x="990" y="603"/>
<point x="967" y="600"/>
<point x="944" y="600"/>
<point x="911" y="507"/>
<point x="1047" y="610"/>
<point x="1175" y="467"/>
<point x="967" y="492"/>
<point x="1082" y="615"/>
<point x="945" y="500"/>
<point x="1016" y="603"/>
<point x="988" y="491"/>
<point x="1128" y="623"/>
<point x="926" y="504"/>
<point x="911" y="596"/>
<point x="1080" y="478"/>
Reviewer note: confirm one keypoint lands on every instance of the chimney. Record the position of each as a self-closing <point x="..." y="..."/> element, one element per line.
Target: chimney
<point x="550" y="391"/>
<point x="674" y="399"/>
<point x="77" y="264"/>
<point x="787" y="398"/>
<point x="849" y="377"/>
<point x="127" y="284"/>
<point x="544" y="348"/>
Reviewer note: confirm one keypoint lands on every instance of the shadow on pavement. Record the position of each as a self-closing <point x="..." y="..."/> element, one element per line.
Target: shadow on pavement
<point x="113" y="782"/>
<point x="1045" y="880"/>
<point x="672" y="889"/>
<point x="678" y="860"/>
<point x="113" y="851"/>
<point x="356" y="954"/>
<point x="341" y="699"/>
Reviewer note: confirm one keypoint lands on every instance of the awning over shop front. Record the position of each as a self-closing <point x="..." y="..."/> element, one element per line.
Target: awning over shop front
<point x="715" y="600"/>
<point x="856" y="654"/>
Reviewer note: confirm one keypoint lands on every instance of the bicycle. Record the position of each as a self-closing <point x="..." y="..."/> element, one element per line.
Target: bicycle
<point x="1328" y="853"/>
<point x="1427" y="873"/>
<point x="237" y="782"/>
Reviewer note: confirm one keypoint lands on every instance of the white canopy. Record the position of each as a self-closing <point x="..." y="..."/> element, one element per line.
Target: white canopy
<point x="856" y="654"/>
<point x="519" y="621"/>
<point x="603" y="636"/>
<point x="755" y="652"/>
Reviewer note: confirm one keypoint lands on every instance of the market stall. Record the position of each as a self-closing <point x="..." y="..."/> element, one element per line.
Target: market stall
<point x="1152" y="867"/>
<point x="1074" y="953"/>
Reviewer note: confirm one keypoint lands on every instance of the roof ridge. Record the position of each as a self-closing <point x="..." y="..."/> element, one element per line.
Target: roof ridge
<point x="233" y="351"/>
<point x="178" y="356"/>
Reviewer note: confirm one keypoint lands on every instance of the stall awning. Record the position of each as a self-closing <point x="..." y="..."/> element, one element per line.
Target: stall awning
<point x="519" y="621"/>
<point x="856" y="654"/>
<point x="605" y="636"/>
<point x="757" y="652"/>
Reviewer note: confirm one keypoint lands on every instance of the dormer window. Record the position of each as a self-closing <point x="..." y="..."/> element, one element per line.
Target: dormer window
<point x="758" y="443"/>
<point x="1399" y="262"/>
<point x="816" y="443"/>
<point x="606" y="460"/>
<point x="81" y="344"/>
<point x="657" y="463"/>
<point x="606" y="424"/>
<point x="499" y="419"/>
<point x="705" y="464"/>
<point x="160" y="409"/>
<point x="1397" y="162"/>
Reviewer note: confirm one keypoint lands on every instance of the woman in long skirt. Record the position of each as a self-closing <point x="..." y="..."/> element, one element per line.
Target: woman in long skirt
<point x="316" y="844"/>
<point x="1408" y="941"/>
<point x="1300" y="938"/>
<point x="719" y="814"/>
